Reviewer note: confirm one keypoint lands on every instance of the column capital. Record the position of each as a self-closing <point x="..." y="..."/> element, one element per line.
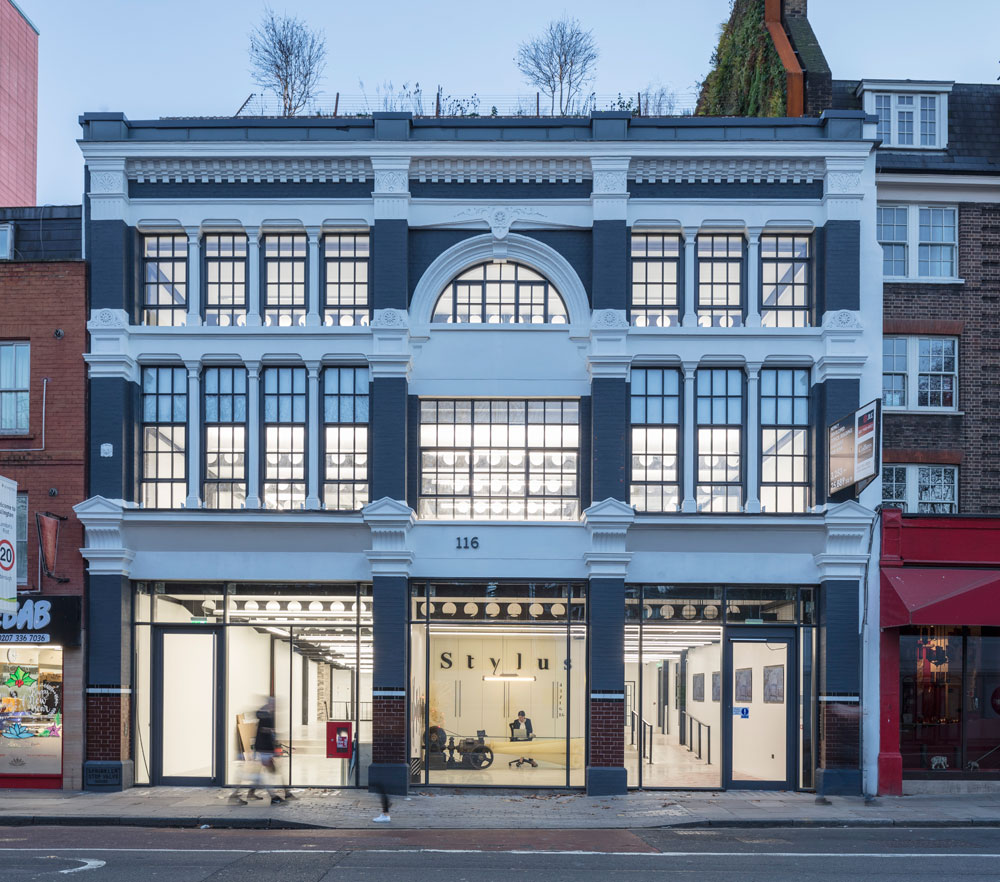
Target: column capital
<point x="102" y="521"/>
<point x="313" y="233"/>
<point x="253" y="368"/>
<point x="193" y="369"/>
<point x="390" y="521"/>
<point x="753" y="235"/>
<point x="608" y="523"/>
<point x="690" y="369"/>
<point x="753" y="370"/>
<point x="847" y="550"/>
<point x="313" y="368"/>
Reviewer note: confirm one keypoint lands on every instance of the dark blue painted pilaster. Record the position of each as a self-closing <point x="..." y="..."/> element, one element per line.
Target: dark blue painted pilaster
<point x="610" y="444"/>
<point x="111" y="259"/>
<point x="841" y="282"/>
<point x="830" y="401"/>
<point x="389" y="264"/>
<point x="388" y="433"/>
<point x="606" y="772"/>
<point x="610" y="264"/>
<point x="389" y="768"/>
<point x="112" y="414"/>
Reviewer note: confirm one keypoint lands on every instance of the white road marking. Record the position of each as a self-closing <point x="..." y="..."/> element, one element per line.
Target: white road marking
<point x="88" y="864"/>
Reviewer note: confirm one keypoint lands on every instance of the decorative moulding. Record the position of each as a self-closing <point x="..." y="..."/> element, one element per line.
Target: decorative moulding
<point x="842" y="320"/>
<point x="847" y="552"/>
<point x="726" y="171"/>
<point x="104" y="552"/>
<point x="496" y="171"/>
<point x="249" y="171"/>
<point x="110" y="319"/>
<point x="608" y="524"/>
<point x="500" y="218"/>
<point x="390" y="521"/>
<point x="609" y="320"/>
<point x="390" y="318"/>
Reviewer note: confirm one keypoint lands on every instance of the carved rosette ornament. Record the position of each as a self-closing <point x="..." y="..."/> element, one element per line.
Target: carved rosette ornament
<point x="107" y="182"/>
<point x="609" y="320"/>
<point x="611" y="182"/>
<point x="390" y="318"/>
<point x="842" y="319"/>
<point x="108" y="318"/>
<point x="843" y="182"/>
<point x="391" y="182"/>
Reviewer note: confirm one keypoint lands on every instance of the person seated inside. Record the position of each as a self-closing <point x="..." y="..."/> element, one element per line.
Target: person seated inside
<point x="520" y="730"/>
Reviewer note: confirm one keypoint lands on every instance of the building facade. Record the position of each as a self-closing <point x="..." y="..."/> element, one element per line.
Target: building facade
<point x="938" y="179"/>
<point x="42" y="448"/>
<point x="414" y="424"/>
<point x="18" y="106"/>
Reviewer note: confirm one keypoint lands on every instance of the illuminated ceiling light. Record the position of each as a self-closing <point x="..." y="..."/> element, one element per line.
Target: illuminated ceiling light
<point x="507" y="678"/>
<point x="294" y="606"/>
<point x="337" y="606"/>
<point x="535" y="610"/>
<point x="558" y="609"/>
<point x="711" y="611"/>
<point x="315" y="606"/>
<point x="273" y="605"/>
<point x="251" y="605"/>
<point x="513" y="609"/>
<point x="449" y="608"/>
<point x="689" y="611"/>
<point x="470" y="609"/>
<point x="492" y="610"/>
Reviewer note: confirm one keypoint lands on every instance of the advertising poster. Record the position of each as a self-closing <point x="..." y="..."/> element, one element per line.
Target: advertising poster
<point x="8" y="545"/>
<point x="339" y="740"/>
<point x="853" y="450"/>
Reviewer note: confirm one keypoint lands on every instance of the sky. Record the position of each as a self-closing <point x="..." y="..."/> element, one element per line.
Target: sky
<point x="156" y="58"/>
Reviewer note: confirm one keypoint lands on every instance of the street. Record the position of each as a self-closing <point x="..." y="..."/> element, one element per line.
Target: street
<point x="122" y="854"/>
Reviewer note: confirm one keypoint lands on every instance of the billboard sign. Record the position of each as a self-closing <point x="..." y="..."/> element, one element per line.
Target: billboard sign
<point x="854" y="452"/>
<point x="8" y="545"/>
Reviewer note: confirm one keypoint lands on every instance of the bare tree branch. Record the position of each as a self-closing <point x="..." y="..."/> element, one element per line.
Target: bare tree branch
<point x="561" y="61"/>
<point x="288" y="58"/>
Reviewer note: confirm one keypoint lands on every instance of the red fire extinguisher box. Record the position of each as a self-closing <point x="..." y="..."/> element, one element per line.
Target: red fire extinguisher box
<point x="339" y="740"/>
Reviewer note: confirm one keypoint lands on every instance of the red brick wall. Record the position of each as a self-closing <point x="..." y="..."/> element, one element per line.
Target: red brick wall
<point x="840" y="735"/>
<point x="108" y="727"/>
<point x="607" y="739"/>
<point x="389" y="730"/>
<point x="36" y="299"/>
<point x="976" y="306"/>
<point x="18" y="108"/>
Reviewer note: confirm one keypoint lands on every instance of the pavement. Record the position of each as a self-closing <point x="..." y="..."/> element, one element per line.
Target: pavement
<point x="456" y="809"/>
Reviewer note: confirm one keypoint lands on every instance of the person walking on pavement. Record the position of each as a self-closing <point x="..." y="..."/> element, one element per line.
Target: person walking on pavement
<point x="265" y="746"/>
<point x="383" y="818"/>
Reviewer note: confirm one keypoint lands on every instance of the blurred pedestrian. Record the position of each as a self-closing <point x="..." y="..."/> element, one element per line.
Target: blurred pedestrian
<point x="379" y="788"/>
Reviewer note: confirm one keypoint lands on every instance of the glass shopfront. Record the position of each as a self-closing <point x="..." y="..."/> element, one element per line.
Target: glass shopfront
<point x="209" y="659"/>
<point x="719" y="686"/>
<point x="480" y="654"/>
<point x="31" y="711"/>
<point x="950" y="701"/>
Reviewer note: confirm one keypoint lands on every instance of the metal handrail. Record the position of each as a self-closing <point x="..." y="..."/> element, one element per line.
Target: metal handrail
<point x="647" y="729"/>
<point x="690" y="740"/>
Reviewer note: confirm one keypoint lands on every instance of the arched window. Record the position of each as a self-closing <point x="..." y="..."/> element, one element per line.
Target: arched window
<point x="500" y="294"/>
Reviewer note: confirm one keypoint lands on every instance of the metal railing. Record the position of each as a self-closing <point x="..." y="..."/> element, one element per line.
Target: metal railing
<point x="645" y="735"/>
<point x="344" y="710"/>
<point x="690" y="739"/>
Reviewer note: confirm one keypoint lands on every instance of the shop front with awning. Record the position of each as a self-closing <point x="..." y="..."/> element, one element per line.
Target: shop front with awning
<point x="940" y="649"/>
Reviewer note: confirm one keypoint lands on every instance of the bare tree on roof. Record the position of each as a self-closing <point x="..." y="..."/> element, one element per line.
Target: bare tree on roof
<point x="560" y="62"/>
<point x="288" y="58"/>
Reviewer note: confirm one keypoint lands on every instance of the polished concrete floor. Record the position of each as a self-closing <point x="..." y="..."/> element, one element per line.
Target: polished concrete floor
<point x="673" y="765"/>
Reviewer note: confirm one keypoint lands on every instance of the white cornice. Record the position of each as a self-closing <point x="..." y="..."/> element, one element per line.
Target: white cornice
<point x="726" y="171"/>
<point x="926" y="86"/>
<point x="913" y="187"/>
<point x="249" y="171"/>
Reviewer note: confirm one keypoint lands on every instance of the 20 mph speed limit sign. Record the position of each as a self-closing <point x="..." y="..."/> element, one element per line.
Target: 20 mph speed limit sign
<point x="8" y="544"/>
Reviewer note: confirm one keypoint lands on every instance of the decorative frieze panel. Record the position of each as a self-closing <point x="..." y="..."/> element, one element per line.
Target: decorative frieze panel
<point x="500" y="171"/>
<point x="726" y="171"/>
<point x="244" y="171"/>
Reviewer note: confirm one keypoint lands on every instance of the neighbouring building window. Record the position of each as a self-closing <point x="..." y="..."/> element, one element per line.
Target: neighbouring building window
<point x="925" y="489"/>
<point x="225" y="399"/>
<point x="164" y="437"/>
<point x="920" y="373"/>
<point x="719" y="407"/>
<point x="284" y="300"/>
<point x="720" y="281"/>
<point x="655" y="417"/>
<point x="164" y="273"/>
<point x="345" y="418"/>
<point x="786" y="285"/>
<point x="6" y="241"/>
<point x="15" y="376"/>
<point x="656" y="260"/>
<point x="345" y="292"/>
<point x="284" y="484"/>
<point x="919" y="242"/>
<point x="225" y="279"/>
<point x="21" y="549"/>
<point x="500" y="459"/>
<point x="500" y="294"/>
<point x="784" y="429"/>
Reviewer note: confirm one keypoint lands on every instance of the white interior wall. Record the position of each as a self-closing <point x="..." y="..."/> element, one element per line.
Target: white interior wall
<point x="759" y="751"/>
<point x="249" y="674"/>
<point x="705" y="660"/>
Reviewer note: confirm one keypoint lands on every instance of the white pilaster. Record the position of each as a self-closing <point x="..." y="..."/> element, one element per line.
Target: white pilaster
<point x="253" y="278"/>
<point x="390" y="521"/>
<point x="193" y="277"/>
<point x="610" y="193"/>
<point x="690" y="437"/>
<point x="253" y="434"/>
<point x="688" y="309"/>
<point x="313" y="465"/>
<point x="193" y="435"/>
<point x="312" y="280"/>
<point x="391" y="194"/>
<point x="753" y="277"/>
<point x="607" y="523"/>
<point x="753" y="437"/>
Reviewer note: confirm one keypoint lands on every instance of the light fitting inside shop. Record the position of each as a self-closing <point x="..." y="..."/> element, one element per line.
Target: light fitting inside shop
<point x="507" y="678"/>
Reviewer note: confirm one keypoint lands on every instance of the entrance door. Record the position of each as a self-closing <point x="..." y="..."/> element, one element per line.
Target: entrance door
<point x="759" y="701"/>
<point x="186" y="677"/>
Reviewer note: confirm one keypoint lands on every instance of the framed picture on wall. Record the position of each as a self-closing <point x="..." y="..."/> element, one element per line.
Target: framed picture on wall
<point x="743" y="684"/>
<point x="774" y="684"/>
<point x="716" y="686"/>
<point x="698" y="687"/>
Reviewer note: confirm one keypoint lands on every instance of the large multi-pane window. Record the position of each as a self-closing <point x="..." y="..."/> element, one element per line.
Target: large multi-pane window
<point x="346" y="286"/>
<point x="285" y="414"/>
<point x="720" y="281"/>
<point x="784" y="435"/>
<point x="786" y="286"/>
<point x="500" y="459"/>
<point x="499" y="294"/>
<point x="719" y="406"/>
<point x="908" y="120"/>
<point x="345" y="418"/>
<point x="284" y="295"/>
<point x="656" y="259"/>
<point x="225" y="413"/>
<point x="164" y="274"/>
<point x="918" y="241"/>
<point x="15" y="375"/>
<point x="225" y="279"/>
<point x="655" y="416"/>
<point x="920" y="372"/>
<point x="925" y="489"/>
<point x="163" y="482"/>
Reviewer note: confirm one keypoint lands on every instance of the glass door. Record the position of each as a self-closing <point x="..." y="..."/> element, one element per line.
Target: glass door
<point x="759" y="689"/>
<point x="186" y="665"/>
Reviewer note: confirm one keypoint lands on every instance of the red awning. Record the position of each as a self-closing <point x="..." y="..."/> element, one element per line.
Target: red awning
<point x="930" y="596"/>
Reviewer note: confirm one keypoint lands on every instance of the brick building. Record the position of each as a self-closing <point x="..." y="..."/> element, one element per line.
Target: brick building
<point x="18" y="106"/>
<point x="938" y="185"/>
<point x="42" y="448"/>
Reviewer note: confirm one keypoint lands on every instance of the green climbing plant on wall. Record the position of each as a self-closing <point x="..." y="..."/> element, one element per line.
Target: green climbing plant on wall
<point x="747" y="77"/>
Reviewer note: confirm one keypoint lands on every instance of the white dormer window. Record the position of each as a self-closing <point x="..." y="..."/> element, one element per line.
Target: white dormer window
<point x="910" y="115"/>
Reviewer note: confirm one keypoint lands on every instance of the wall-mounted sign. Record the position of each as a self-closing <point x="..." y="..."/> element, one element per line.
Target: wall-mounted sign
<point x="51" y="619"/>
<point x="854" y="449"/>
<point x="8" y="545"/>
<point x="339" y="740"/>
